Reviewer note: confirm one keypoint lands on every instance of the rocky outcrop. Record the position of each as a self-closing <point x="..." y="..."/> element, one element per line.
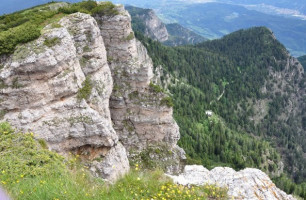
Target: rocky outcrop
<point x="152" y="26"/>
<point x="245" y="184"/>
<point x="147" y="22"/>
<point x="58" y="86"/>
<point x="139" y="108"/>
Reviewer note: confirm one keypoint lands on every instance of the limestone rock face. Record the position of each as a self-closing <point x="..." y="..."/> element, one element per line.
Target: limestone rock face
<point x="41" y="85"/>
<point x="154" y="27"/>
<point x="138" y="110"/>
<point x="245" y="184"/>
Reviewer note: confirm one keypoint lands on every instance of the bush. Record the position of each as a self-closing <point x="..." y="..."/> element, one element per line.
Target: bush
<point x="130" y="36"/>
<point x="167" y="101"/>
<point x="105" y="8"/>
<point x="155" y="88"/>
<point x="85" y="91"/>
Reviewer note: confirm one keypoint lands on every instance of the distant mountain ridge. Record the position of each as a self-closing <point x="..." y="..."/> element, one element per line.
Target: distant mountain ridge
<point x="218" y="18"/>
<point x="148" y="23"/>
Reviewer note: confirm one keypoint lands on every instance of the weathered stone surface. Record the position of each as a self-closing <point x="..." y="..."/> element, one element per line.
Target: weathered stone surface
<point x="114" y="160"/>
<point x="140" y="119"/>
<point x="245" y="184"/>
<point x="41" y="82"/>
<point x="154" y="27"/>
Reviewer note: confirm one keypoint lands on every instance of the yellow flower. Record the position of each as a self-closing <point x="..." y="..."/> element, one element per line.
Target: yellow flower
<point x="21" y="175"/>
<point x="3" y="171"/>
<point x="138" y="179"/>
<point x="21" y="192"/>
<point x="3" y="182"/>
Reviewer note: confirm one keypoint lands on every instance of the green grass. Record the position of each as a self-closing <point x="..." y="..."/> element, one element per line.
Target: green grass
<point x="50" y="42"/>
<point x="26" y="25"/>
<point x="28" y="171"/>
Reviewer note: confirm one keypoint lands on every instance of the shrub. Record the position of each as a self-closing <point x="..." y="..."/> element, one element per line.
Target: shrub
<point x="105" y="8"/>
<point x="155" y="88"/>
<point x="130" y="36"/>
<point x="85" y="91"/>
<point x="167" y="101"/>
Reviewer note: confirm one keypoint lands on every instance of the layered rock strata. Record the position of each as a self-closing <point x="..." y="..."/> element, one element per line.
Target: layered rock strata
<point x="139" y="109"/>
<point x="58" y="86"/>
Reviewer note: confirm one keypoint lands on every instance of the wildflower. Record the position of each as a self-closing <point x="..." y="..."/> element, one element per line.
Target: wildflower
<point x="21" y="175"/>
<point x="3" y="171"/>
<point x="138" y="179"/>
<point x="3" y="182"/>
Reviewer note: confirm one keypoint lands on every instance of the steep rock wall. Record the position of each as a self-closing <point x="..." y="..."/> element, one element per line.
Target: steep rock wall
<point x="140" y="118"/>
<point x="40" y="92"/>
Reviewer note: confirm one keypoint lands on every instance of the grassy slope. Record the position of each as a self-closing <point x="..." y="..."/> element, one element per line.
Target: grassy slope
<point x="31" y="172"/>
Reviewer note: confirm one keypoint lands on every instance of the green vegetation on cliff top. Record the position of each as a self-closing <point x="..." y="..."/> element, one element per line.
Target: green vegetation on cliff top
<point x="26" y="25"/>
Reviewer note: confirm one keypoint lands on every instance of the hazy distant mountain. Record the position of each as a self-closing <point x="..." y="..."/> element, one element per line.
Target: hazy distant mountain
<point x="146" y="22"/>
<point x="299" y="5"/>
<point x="213" y="20"/>
<point x="9" y="6"/>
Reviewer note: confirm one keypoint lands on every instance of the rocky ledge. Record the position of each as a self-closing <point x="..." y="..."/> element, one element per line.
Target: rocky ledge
<point x="245" y="184"/>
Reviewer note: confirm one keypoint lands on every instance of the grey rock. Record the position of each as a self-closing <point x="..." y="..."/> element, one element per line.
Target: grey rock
<point x="245" y="184"/>
<point x="43" y="83"/>
<point x="139" y="118"/>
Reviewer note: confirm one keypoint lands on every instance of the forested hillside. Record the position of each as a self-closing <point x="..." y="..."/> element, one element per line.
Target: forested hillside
<point x="302" y="60"/>
<point x="177" y="34"/>
<point x="235" y="78"/>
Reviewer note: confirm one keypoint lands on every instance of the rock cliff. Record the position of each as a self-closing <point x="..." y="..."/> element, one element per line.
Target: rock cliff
<point x="59" y="86"/>
<point x="150" y="24"/>
<point x="147" y="22"/>
<point x="245" y="184"/>
<point x="139" y="110"/>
